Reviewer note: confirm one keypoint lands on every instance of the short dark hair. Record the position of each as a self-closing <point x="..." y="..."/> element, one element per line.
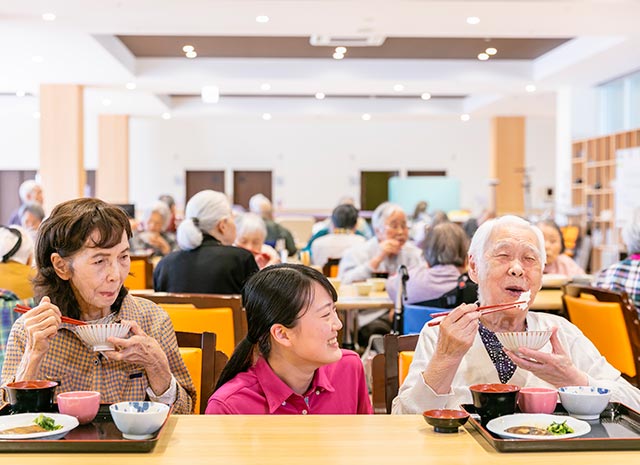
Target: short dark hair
<point x="344" y="216"/>
<point x="446" y="244"/>
<point x="275" y="295"/>
<point x="554" y="225"/>
<point x="65" y="232"/>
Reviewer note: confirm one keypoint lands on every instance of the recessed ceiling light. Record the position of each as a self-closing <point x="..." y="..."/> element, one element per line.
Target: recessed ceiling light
<point x="366" y="117"/>
<point x="266" y="116"/>
<point x="191" y="54"/>
<point x="491" y="51"/>
<point x="265" y="86"/>
<point x="425" y="96"/>
<point x="130" y="85"/>
<point x="473" y="20"/>
<point x="188" y="48"/>
<point x="338" y="56"/>
<point x="342" y="50"/>
<point x="398" y="87"/>
<point x="36" y="115"/>
<point x="530" y="88"/>
<point x="20" y="93"/>
<point x="166" y="115"/>
<point x="37" y="59"/>
<point x="320" y="95"/>
<point x="210" y="94"/>
<point x="106" y="102"/>
<point x="262" y="19"/>
<point x="48" y="16"/>
<point x="465" y="117"/>
<point x="483" y="56"/>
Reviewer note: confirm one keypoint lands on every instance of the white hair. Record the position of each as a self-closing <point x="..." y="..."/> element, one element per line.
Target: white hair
<point x="631" y="233"/>
<point x="480" y="239"/>
<point x="203" y="212"/>
<point x="162" y="209"/>
<point x="382" y="212"/>
<point x="8" y="240"/>
<point x="26" y="188"/>
<point x="260" y="204"/>
<point x="248" y="223"/>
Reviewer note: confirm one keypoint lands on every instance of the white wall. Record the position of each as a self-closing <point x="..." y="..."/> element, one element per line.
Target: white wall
<point x="314" y="161"/>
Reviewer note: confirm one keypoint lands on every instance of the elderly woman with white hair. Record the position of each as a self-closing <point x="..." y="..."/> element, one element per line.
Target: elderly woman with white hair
<point x="16" y="256"/>
<point x="625" y="275"/>
<point x="155" y="237"/>
<point x="506" y="259"/>
<point x="251" y="234"/>
<point x="207" y="263"/>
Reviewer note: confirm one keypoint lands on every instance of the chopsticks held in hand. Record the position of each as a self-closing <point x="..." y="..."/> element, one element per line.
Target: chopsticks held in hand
<point x="65" y="319"/>
<point x="486" y="310"/>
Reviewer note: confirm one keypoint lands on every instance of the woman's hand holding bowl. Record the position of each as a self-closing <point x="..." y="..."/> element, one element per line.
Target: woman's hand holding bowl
<point x="556" y="368"/>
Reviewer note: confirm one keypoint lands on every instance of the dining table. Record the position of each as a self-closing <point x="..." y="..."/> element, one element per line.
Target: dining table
<point x="350" y="303"/>
<point x="316" y="440"/>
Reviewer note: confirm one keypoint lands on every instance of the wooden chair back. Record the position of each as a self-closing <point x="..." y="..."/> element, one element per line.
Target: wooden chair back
<point x="232" y="301"/>
<point x="140" y="273"/>
<point x="610" y="320"/>
<point x="201" y="348"/>
<point x="390" y="369"/>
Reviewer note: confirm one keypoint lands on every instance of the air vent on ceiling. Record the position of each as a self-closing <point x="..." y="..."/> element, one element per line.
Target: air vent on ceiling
<point x="324" y="40"/>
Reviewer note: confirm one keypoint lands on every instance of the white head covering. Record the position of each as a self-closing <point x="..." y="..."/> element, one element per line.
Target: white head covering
<point x="204" y="211"/>
<point x="8" y="240"/>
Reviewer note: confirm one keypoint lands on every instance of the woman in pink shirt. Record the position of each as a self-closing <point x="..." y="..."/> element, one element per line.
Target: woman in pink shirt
<point x="290" y="362"/>
<point x="557" y="261"/>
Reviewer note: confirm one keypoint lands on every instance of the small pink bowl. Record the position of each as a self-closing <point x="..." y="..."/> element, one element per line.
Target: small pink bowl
<point x="83" y="405"/>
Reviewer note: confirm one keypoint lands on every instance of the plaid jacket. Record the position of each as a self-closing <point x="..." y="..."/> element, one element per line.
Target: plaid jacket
<point x="622" y="276"/>
<point x="77" y="368"/>
<point x="8" y="300"/>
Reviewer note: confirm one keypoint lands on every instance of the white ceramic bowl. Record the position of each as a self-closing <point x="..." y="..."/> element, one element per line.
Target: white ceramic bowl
<point x="378" y="284"/>
<point x="138" y="420"/>
<point x="530" y="339"/>
<point x="95" y="336"/>
<point x="584" y="402"/>
<point x="363" y="289"/>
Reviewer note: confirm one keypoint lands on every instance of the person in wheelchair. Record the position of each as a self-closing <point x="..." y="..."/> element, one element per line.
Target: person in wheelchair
<point x="443" y="281"/>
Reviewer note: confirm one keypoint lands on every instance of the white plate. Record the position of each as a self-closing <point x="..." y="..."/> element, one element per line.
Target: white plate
<point x="25" y="419"/>
<point x="540" y="420"/>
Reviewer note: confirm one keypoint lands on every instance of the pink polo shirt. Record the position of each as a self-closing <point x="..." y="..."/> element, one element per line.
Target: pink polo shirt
<point x="338" y="388"/>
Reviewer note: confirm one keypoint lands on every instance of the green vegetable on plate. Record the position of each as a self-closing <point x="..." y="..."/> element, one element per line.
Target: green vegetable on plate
<point x="560" y="428"/>
<point x="46" y="422"/>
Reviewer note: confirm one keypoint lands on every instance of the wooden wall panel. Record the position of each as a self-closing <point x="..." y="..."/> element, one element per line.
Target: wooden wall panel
<point x="112" y="176"/>
<point x="508" y="163"/>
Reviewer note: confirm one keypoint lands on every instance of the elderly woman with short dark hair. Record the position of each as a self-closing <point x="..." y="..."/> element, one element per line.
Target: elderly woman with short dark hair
<point x="506" y="258"/>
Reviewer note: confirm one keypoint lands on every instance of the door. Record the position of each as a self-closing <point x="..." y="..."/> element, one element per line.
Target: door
<point x="9" y="198"/>
<point x="201" y="180"/>
<point x="248" y="183"/>
<point x="374" y="188"/>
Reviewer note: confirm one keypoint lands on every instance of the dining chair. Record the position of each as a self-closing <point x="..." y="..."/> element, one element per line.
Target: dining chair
<point x="330" y="269"/>
<point x="188" y="318"/>
<point x="204" y="363"/>
<point x="610" y="320"/>
<point x="414" y="317"/>
<point x="206" y="301"/>
<point x="140" y="274"/>
<point x="390" y="369"/>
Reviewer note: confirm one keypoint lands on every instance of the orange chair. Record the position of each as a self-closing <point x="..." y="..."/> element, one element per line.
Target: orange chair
<point x="610" y="321"/>
<point x="140" y="274"/>
<point x="390" y="369"/>
<point x="204" y="363"/>
<point x="188" y="318"/>
<point x="330" y="269"/>
<point x="570" y="235"/>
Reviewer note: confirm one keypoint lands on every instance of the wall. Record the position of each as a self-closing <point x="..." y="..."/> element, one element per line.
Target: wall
<point x="314" y="161"/>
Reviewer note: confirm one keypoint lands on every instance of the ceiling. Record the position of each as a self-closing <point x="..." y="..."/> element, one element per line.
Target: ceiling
<point x="427" y="47"/>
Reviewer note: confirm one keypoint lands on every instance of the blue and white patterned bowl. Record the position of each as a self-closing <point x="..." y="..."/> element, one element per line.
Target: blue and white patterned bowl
<point x="584" y="402"/>
<point x="139" y="420"/>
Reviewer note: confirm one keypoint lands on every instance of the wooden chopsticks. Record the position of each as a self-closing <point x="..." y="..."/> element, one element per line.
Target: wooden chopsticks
<point x="65" y="319"/>
<point x="486" y="310"/>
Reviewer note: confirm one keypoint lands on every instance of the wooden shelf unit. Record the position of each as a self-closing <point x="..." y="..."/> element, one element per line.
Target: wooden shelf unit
<point x="593" y="170"/>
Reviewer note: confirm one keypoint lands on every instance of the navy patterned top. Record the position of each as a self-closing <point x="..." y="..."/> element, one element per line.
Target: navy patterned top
<point x="504" y="365"/>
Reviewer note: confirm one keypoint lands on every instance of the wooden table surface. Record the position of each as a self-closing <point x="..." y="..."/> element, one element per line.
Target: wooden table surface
<point x="348" y="299"/>
<point x="548" y="299"/>
<point x="321" y="440"/>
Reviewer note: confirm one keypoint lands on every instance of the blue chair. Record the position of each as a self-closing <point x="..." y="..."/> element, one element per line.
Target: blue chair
<point x="414" y="317"/>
